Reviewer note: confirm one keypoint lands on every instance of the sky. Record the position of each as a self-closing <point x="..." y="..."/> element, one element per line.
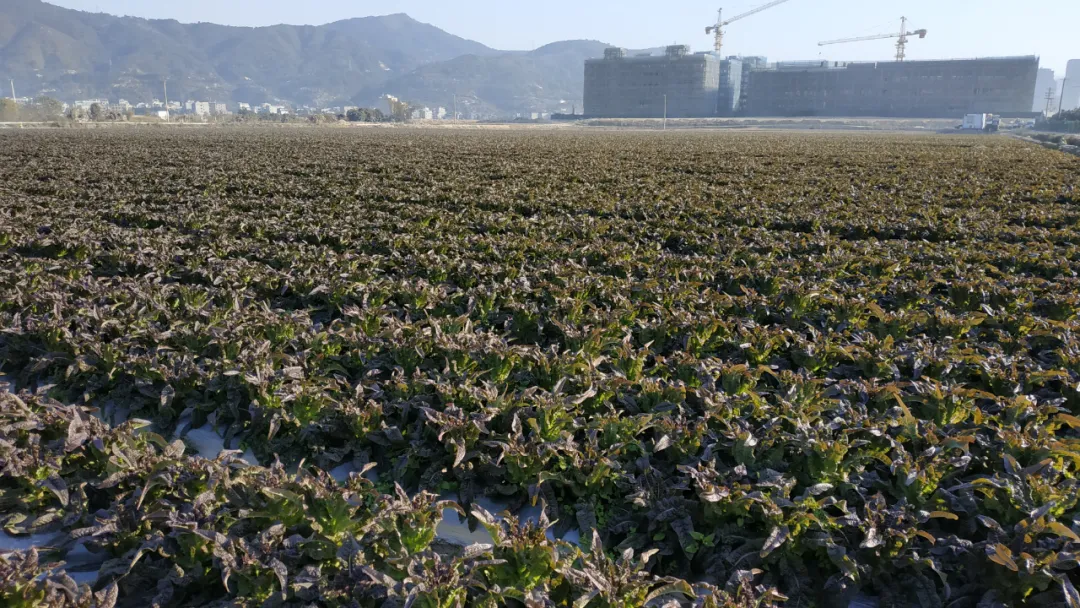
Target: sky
<point x="790" y="31"/>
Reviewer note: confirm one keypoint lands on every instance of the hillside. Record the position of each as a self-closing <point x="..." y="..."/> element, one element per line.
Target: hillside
<point x="72" y="54"/>
<point x="547" y="79"/>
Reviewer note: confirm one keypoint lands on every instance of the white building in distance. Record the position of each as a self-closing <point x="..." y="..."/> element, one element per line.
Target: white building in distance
<point x="1045" y="83"/>
<point x="84" y="104"/>
<point x="1071" y="99"/>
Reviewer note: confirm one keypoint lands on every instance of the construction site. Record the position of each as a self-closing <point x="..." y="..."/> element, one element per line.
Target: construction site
<point x="679" y="84"/>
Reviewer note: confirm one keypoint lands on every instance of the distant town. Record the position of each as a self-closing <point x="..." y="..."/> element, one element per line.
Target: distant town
<point x="393" y="109"/>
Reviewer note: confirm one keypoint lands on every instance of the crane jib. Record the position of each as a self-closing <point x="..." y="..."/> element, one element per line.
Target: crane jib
<point x="901" y="43"/>
<point x="718" y="29"/>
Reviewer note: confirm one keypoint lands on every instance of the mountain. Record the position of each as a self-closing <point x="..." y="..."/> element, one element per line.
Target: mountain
<point x="547" y="79"/>
<point x="73" y="54"/>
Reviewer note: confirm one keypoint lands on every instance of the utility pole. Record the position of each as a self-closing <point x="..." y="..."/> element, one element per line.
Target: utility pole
<point x="165" y="84"/>
<point x="1049" y="99"/>
<point x="665" y="112"/>
<point x="455" y="107"/>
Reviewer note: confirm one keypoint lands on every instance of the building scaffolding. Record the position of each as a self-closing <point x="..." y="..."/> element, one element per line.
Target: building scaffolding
<point x="915" y="89"/>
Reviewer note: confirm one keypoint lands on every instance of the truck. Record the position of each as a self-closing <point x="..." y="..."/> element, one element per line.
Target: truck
<point x="975" y="122"/>
<point x="988" y="123"/>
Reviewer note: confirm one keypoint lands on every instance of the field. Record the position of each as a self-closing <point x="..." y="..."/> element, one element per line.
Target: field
<point x="716" y="369"/>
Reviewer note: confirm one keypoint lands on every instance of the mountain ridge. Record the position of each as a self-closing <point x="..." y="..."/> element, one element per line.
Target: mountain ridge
<point x="71" y="54"/>
<point x="74" y="54"/>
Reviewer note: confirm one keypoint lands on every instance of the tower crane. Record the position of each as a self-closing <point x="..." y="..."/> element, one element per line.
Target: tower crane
<point x="901" y="44"/>
<point x="718" y="29"/>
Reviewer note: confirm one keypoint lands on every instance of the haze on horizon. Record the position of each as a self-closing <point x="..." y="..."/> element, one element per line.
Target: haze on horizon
<point x="791" y="31"/>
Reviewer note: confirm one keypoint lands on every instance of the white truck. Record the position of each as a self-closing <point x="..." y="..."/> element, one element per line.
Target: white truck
<point x="988" y="123"/>
<point x="976" y="122"/>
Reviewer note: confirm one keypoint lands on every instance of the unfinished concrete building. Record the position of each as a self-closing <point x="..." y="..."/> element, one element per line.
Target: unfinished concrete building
<point x="618" y="86"/>
<point x="1070" y="89"/>
<point x="1045" y="85"/>
<point x="915" y="89"/>
<point x="729" y="96"/>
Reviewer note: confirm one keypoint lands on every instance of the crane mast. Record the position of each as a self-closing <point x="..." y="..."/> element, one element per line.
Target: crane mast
<point x="901" y="44"/>
<point x="717" y="30"/>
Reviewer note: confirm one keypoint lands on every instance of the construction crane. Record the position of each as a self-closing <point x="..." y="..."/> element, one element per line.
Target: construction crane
<point x="718" y="29"/>
<point x="901" y="44"/>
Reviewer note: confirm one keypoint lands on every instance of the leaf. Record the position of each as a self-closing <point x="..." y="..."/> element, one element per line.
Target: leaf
<point x="1066" y="561"/>
<point x="662" y="444"/>
<point x="1064" y="531"/>
<point x="106" y="598"/>
<point x="647" y="555"/>
<point x="1011" y="466"/>
<point x="943" y="515"/>
<point x="459" y="453"/>
<point x="873" y="539"/>
<point x="57" y="486"/>
<point x="1042" y="511"/>
<point x="1072" y="598"/>
<point x="776" y="538"/>
<point x="585" y="516"/>
<point x="681" y="587"/>
<point x="584" y="600"/>
<point x="1000" y="554"/>
<point x="282" y="574"/>
<point x="847" y="566"/>
<point x="476" y="550"/>
<point x="1069" y="419"/>
<point x="740" y="577"/>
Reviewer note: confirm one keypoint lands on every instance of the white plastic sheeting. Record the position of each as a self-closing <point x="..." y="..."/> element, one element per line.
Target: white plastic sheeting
<point x="207" y="441"/>
<point x="341" y="473"/>
<point x="25" y="543"/>
<point x="79" y="563"/>
<point x="454" y="529"/>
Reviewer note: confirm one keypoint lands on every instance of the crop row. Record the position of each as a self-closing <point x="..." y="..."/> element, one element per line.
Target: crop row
<point x="177" y="530"/>
<point x="823" y="364"/>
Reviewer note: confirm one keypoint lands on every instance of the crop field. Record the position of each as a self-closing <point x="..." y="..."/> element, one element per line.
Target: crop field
<point x="666" y="369"/>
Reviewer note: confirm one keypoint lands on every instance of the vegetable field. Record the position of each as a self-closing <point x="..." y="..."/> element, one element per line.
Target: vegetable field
<point x="695" y="369"/>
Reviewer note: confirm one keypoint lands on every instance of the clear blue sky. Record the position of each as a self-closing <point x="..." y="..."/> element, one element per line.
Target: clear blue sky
<point x="958" y="28"/>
